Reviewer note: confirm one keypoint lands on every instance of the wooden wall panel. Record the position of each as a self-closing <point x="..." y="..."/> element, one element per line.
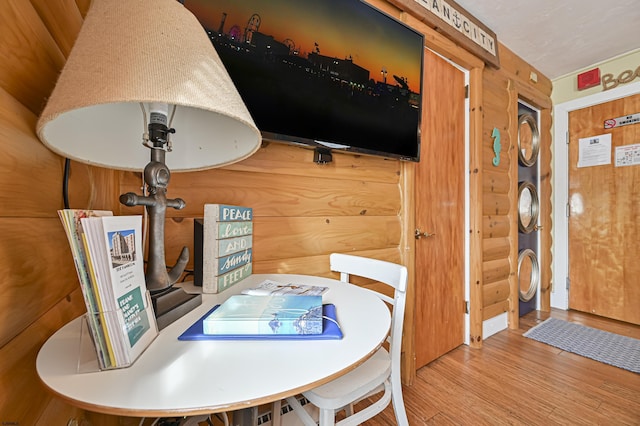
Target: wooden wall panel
<point x="496" y="226"/>
<point x="279" y="158"/>
<point x="37" y="271"/>
<point x="497" y="187"/>
<point x="302" y="211"/>
<point x="274" y="194"/>
<point x="495" y="309"/>
<point x="495" y="182"/>
<point x="283" y="238"/>
<point x="495" y="292"/>
<point x="533" y="81"/>
<point x="496" y="270"/>
<point x="287" y="238"/>
<point x="63" y="31"/>
<point x="319" y="265"/>
<point x="495" y="204"/>
<point x="30" y="174"/>
<point x="24" y="398"/>
<point x="495" y="92"/>
<point x="39" y="286"/>
<point x="30" y="57"/>
<point x="495" y="248"/>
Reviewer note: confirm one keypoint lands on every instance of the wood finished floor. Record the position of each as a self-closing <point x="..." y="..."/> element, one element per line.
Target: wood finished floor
<point x="513" y="380"/>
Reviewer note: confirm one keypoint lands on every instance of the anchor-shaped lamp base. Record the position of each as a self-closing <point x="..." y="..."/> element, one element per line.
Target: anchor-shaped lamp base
<point x="169" y="302"/>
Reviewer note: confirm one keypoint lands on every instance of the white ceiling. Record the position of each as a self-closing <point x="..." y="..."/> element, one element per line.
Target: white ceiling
<point x="559" y="37"/>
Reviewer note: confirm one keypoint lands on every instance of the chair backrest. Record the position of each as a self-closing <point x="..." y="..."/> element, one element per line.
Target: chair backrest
<point x="385" y="272"/>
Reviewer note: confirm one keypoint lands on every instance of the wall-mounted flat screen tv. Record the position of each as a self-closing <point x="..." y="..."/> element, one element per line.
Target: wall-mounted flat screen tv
<point x="336" y="74"/>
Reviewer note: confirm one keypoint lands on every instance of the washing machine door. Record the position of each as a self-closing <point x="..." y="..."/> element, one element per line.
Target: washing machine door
<point x="528" y="207"/>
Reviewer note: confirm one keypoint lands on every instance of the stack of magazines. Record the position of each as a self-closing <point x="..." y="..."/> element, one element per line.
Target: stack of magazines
<point x="107" y="251"/>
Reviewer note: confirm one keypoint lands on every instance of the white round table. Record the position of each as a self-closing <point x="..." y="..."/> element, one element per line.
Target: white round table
<point x="174" y="377"/>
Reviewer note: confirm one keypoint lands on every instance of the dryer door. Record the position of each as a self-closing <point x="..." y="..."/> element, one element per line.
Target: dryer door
<point x="528" y="274"/>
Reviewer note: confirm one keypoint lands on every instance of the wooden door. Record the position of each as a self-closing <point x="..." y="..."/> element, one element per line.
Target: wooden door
<point x="440" y="208"/>
<point x="604" y="214"/>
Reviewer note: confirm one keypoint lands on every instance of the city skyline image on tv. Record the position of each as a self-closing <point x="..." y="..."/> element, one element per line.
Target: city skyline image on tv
<point x="333" y="73"/>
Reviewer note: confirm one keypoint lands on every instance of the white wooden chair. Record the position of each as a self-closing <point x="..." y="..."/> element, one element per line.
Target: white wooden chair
<point x="381" y="372"/>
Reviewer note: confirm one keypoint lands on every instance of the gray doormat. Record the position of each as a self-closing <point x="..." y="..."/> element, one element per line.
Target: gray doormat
<point x="603" y="346"/>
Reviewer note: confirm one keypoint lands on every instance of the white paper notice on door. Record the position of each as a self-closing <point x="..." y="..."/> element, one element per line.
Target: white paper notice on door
<point x="594" y="151"/>
<point x="628" y="155"/>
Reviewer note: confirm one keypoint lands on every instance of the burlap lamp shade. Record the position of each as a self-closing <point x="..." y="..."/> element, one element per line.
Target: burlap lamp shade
<point x="142" y="51"/>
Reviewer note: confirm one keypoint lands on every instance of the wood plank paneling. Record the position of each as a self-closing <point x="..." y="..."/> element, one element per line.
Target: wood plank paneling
<point x="513" y="67"/>
<point x="63" y="32"/>
<point x="495" y="309"/>
<point x="281" y="238"/>
<point x="287" y="238"/>
<point x="271" y="194"/>
<point x="37" y="270"/>
<point x="24" y="397"/>
<point x="40" y="291"/>
<point x="495" y="204"/>
<point x="495" y="248"/>
<point x="319" y="265"/>
<point x="30" y="174"/>
<point x="30" y="58"/>
<point x="496" y="270"/>
<point x="279" y="158"/>
<point x="496" y="182"/>
<point x="496" y="226"/>
<point x="495" y="96"/>
<point x="495" y="292"/>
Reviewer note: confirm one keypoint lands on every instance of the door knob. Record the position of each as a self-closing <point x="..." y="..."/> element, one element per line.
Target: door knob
<point x="419" y="234"/>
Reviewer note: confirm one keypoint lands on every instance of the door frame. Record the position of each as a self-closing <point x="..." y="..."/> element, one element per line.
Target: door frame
<point x="559" y="292"/>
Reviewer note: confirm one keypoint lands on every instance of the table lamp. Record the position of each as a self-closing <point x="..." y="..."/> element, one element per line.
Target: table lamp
<point x="145" y="68"/>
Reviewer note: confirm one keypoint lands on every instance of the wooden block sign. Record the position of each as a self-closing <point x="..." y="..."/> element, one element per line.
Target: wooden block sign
<point x="223" y="242"/>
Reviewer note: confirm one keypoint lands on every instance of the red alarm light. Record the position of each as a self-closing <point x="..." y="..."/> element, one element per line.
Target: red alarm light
<point x="589" y="79"/>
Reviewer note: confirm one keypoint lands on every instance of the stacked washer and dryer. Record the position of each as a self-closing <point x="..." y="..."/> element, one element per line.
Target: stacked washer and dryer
<point x="528" y="208"/>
